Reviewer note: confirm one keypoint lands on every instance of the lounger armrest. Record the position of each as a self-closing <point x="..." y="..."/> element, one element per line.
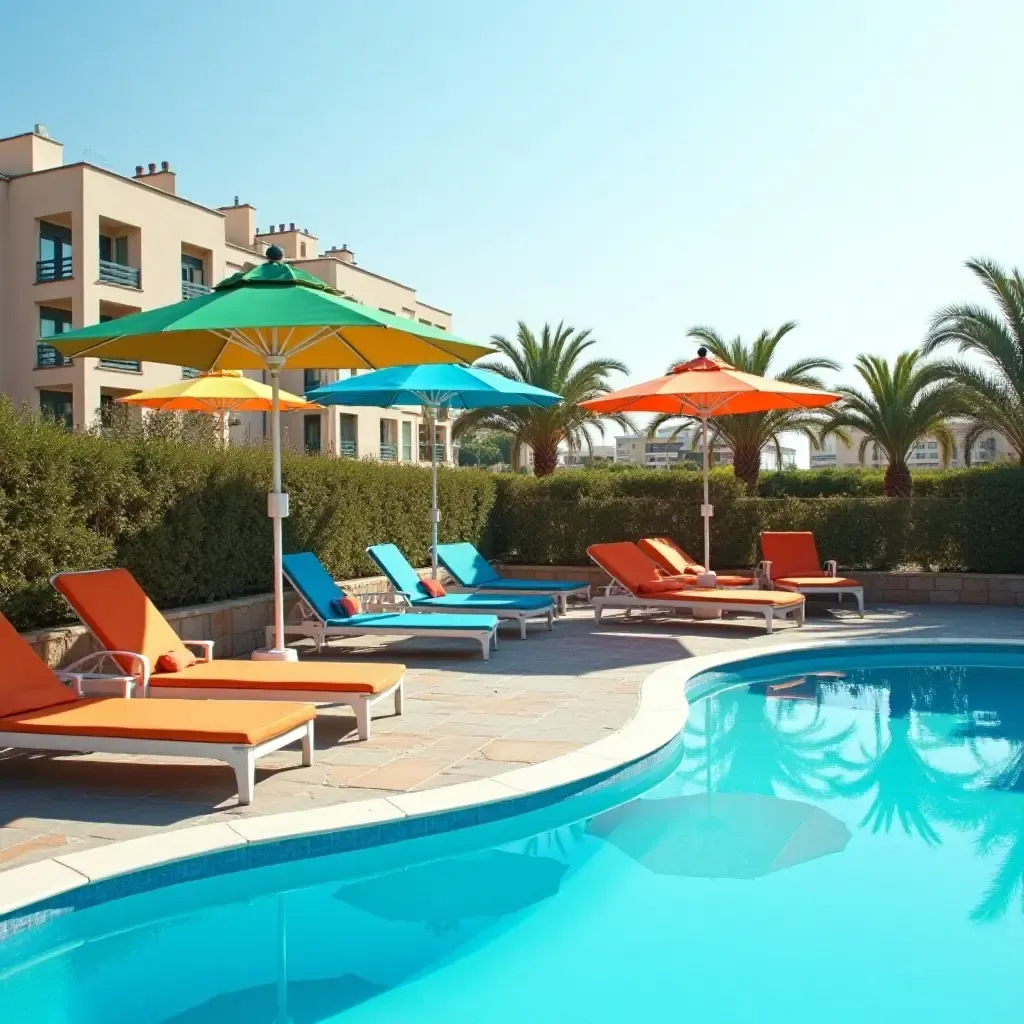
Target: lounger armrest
<point x="98" y="660"/>
<point x="70" y="679"/>
<point x="203" y="648"/>
<point x="382" y="600"/>
<point x="763" y="572"/>
<point x="832" y="567"/>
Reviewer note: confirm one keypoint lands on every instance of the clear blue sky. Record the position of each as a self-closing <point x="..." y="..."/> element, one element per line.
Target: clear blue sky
<point x="633" y="167"/>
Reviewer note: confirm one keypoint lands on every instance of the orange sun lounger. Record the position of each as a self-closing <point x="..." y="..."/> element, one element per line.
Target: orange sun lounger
<point x="137" y="637"/>
<point x="40" y="712"/>
<point x="791" y="563"/>
<point x="637" y="583"/>
<point x="676" y="562"/>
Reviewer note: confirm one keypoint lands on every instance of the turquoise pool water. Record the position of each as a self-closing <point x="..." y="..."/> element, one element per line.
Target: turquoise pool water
<point x="839" y="837"/>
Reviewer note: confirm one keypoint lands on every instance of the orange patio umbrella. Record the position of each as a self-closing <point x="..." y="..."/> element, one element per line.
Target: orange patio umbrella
<point x="705" y="388"/>
<point x="218" y="392"/>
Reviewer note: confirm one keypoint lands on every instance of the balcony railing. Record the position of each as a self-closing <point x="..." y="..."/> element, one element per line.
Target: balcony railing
<point x="347" y="450"/>
<point x="47" y="356"/>
<point x="130" y="365"/>
<point x="388" y="452"/>
<point x="119" y="273"/>
<point x="425" y="452"/>
<point x="53" y="270"/>
<point x="312" y="379"/>
<point x="190" y="373"/>
<point x="191" y="290"/>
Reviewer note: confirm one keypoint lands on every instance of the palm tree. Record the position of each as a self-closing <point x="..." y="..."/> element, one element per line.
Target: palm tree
<point x="748" y="435"/>
<point x="902" y="404"/>
<point x="554" y="363"/>
<point x="996" y="389"/>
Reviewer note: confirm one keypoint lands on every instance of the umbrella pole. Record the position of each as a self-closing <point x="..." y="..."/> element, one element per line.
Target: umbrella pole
<point x="435" y="513"/>
<point x="706" y="510"/>
<point x="277" y="509"/>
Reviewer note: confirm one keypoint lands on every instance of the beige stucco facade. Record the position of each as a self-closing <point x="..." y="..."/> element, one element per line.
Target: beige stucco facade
<point x="79" y="243"/>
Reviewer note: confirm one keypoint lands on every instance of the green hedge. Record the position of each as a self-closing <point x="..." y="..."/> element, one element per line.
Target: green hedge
<point x="190" y="520"/>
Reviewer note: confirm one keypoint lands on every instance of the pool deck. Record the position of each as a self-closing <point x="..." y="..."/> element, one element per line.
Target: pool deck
<point x="465" y="719"/>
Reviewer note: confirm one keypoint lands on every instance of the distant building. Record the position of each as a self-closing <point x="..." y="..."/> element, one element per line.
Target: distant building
<point x="926" y="454"/>
<point x="664" y="451"/>
<point x="602" y="454"/>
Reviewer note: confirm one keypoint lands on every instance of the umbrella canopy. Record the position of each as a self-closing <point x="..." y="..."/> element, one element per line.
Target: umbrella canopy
<point x="434" y="387"/>
<point x="219" y="391"/>
<point x="704" y="388"/>
<point x="272" y="317"/>
<point x="721" y="835"/>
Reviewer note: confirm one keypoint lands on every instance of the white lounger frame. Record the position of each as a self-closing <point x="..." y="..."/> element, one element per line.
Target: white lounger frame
<point x="764" y="570"/>
<point x="560" y="597"/>
<point x="304" y="621"/>
<point x="518" y="615"/>
<point x="616" y="595"/>
<point x="239" y="757"/>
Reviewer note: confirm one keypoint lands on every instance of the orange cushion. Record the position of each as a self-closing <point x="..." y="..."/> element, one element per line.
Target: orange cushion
<point x="345" y="607"/>
<point x="661" y="586"/>
<point x="791" y="553"/>
<point x="820" y="582"/>
<point x="330" y="676"/>
<point x="175" y="661"/>
<point x="26" y="681"/>
<point x="625" y="562"/>
<point x="433" y="588"/>
<point x="668" y="555"/>
<point x="244" y="722"/>
<point x="695" y="595"/>
<point x="118" y="612"/>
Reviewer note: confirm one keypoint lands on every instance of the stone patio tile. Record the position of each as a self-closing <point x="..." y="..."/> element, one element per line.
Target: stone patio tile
<point x="13" y="848"/>
<point x="478" y="767"/>
<point x="525" y="751"/>
<point x="402" y="774"/>
<point x="454" y="747"/>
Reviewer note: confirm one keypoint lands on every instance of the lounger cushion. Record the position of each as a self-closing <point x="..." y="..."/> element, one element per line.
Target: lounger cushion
<point x="113" y="605"/>
<point x="792" y="553"/>
<point x="240" y="722"/>
<point x="467" y="566"/>
<point x="307" y="575"/>
<point x="486" y="602"/>
<point x="331" y="677"/>
<point x="672" y="558"/>
<point x="700" y="595"/>
<point x="175" y="661"/>
<point x="662" y="586"/>
<point x="532" y="586"/>
<point x="432" y="588"/>
<point x="816" y="582"/>
<point x="402" y="623"/>
<point x="26" y="681"/>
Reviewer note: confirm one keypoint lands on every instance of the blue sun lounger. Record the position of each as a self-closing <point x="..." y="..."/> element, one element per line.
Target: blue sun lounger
<point x="407" y="585"/>
<point x="474" y="573"/>
<point x="315" y="617"/>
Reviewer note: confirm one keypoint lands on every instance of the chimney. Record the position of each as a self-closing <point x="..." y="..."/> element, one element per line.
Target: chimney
<point x="152" y="168"/>
<point x="291" y="227"/>
<point x="139" y="169"/>
<point x="345" y="254"/>
<point x="236" y="200"/>
<point x="240" y="224"/>
<point x="162" y="179"/>
<point x="280" y="228"/>
<point x="164" y="165"/>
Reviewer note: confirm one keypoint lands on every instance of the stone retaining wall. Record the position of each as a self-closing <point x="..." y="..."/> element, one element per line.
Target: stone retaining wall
<point x="239" y="626"/>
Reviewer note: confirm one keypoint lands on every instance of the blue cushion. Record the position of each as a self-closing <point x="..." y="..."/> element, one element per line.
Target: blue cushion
<point x="307" y="575"/>
<point x="396" y="567"/>
<point x="485" y="602"/>
<point x="532" y="586"/>
<point x="468" y="567"/>
<point x="414" y="623"/>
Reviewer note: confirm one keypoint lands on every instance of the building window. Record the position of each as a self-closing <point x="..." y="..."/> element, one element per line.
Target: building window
<point x="56" y="406"/>
<point x="347" y="434"/>
<point x="51" y="322"/>
<point x="130" y="365"/>
<point x="302" y="250"/>
<point x="406" y="441"/>
<point x="383" y="310"/>
<point x="54" y="262"/>
<point x="311" y="434"/>
<point x="388" y="440"/>
<point x="311" y="379"/>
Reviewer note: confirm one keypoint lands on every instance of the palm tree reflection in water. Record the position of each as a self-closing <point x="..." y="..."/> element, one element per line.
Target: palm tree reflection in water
<point x="737" y="743"/>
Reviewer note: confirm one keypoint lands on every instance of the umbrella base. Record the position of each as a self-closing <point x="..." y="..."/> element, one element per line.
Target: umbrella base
<point x="275" y="654"/>
<point x="707" y="613"/>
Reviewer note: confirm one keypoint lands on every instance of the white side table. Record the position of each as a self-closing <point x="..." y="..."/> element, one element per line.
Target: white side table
<point x="99" y="684"/>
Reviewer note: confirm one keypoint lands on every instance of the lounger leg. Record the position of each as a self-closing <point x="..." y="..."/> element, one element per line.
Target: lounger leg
<point x="485" y="646"/>
<point x="768" y="620"/>
<point x="362" y="710"/>
<point x="598" y="609"/>
<point x="801" y="614"/>
<point x="245" y="775"/>
<point x="551" y="619"/>
<point x="400" y="697"/>
<point x="522" y="628"/>
<point x="859" y="594"/>
<point x="307" y="745"/>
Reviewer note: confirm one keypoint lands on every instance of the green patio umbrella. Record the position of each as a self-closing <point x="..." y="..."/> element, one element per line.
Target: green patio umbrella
<point x="272" y="317"/>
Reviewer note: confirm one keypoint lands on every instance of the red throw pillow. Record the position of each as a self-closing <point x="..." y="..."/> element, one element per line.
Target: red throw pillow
<point x="660" y="586"/>
<point x="175" y="661"/>
<point x="433" y="588"/>
<point x="345" y="607"/>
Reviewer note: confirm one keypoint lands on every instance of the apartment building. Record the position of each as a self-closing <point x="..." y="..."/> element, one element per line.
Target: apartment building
<point x="664" y="451"/>
<point x="80" y="244"/>
<point x="926" y="453"/>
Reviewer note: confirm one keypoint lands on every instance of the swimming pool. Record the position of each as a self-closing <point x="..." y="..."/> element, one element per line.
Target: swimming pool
<point x="838" y="835"/>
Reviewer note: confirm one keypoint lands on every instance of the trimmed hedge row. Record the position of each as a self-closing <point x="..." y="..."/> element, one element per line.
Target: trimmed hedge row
<point x="190" y="520"/>
<point x="826" y="483"/>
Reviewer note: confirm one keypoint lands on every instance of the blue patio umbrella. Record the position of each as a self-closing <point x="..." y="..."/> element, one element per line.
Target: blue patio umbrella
<point x="443" y="386"/>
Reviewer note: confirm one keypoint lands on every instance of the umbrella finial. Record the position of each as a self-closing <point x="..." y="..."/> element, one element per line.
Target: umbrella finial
<point x="701" y="352"/>
<point x="275" y="254"/>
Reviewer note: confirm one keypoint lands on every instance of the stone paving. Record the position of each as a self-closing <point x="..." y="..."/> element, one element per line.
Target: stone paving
<point x="464" y="719"/>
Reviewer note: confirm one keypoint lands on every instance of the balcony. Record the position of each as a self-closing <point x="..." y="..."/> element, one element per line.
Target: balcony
<point x="312" y="379"/>
<point x="53" y="270"/>
<point x="425" y="452"/>
<point x="388" y="452"/>
<point x="347" y="450"/>
<point x="191" y="290"/>
<point x="190" y="373"/>
<point x="124" y="365"/>
<point x="120" y="273"/>
<point x="48" y="357"/>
